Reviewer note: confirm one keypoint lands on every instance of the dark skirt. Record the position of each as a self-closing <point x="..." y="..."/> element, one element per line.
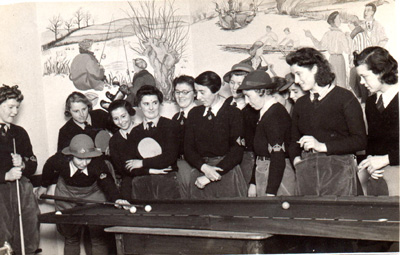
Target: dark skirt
<point x="156" y="186"/>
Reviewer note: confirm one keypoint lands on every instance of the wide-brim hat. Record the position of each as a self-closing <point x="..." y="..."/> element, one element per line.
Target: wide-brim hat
<point x="289" y="81"/>
<point x="82" y="146"/>
<point x="238" y="67"/>
<point x="257" y="80"/>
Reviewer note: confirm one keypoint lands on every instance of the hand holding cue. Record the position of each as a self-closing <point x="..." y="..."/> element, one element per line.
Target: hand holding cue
<point x="21" y="229"/>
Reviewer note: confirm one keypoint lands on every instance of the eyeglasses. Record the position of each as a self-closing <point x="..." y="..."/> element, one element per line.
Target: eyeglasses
<point x="183" y="92"/>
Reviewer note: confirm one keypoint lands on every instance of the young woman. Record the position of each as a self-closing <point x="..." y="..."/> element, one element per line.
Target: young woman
<point x="185" y="96"/>
<point x="327" y="129"/>
<point x="17" y="162"/>
<point x="80" y="172"/>
<point x="155" y="150"/>
<point x="282" y="93"/>
<point x="379" y="73"/>
<point x="83" y="120"/>
<point x="271" y="139"/>
<point x="250" y="116"/>
<point x="213" y="142"/>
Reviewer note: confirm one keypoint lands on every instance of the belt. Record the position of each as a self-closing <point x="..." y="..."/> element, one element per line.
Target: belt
<point x="208" y="159"/>
<point x="263" y="158"/>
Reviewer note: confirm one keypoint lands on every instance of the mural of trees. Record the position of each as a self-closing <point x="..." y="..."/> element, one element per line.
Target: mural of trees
<point x="162" y="38"/>
<point x="55" y="24"/>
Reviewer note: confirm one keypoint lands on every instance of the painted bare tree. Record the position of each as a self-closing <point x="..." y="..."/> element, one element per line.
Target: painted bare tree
<point x="68" y="25"/>
<point x="162" y="39"/>
<point x="55" y="24"/>
<point x="78" y="15"/>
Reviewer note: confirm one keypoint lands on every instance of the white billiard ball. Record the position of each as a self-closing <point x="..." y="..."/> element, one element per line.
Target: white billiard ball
<point x="132" y="209"/>
<point x="285" y="205"/>
<point x="148" y="208"/>
<point x="58" y="213"/>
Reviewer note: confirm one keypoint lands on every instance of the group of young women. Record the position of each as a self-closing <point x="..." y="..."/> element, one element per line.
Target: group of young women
<point x="257" y="142"/>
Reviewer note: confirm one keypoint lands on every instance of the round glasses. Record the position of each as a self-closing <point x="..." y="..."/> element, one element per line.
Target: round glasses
<point x="183" y="92"/>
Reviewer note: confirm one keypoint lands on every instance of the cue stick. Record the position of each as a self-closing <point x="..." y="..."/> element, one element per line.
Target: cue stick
<point x="21" y="229"/>
<point x="84" y="201"/>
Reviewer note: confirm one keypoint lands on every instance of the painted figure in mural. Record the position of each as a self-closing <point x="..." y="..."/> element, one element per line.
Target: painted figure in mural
<point x="155" y="149"/>
<point x="250" y="116"/>
<point x="269" y="38"/>
<point x="375" y="31"/>
<point x="359" y="40"/>
<point x="214" y="142"/>
<point x="83" y="120"/>
<point x="322" y="149"/>
<point x="234" y="18"/>
<point x="17" y="162"/>
<point x="273" y="174"/>
<point x="379" y="73"/>
<point x="80" y="172"/>
<point x="185" y="96"/>
<point x="256" y="58"/>
<point x="336" y="43"/>
<point x="86" y="72"/>
<point x="290" y="40"/>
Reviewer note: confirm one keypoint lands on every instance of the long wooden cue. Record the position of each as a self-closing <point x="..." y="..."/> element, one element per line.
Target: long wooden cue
<point x="21" y="229"/>
<point x="84" y="201"/>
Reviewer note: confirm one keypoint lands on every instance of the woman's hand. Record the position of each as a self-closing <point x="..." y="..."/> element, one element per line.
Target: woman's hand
<point x="252" y="192"/>
<point x="374" y="165"/>
<point x="134" y="164"/>
<point x="202" y="181"/>
<point x="308" y="142"/>
<point x="122" y="203"/>
<point x="160" y="171"/>
<point x="40" y="191"/>
<point x="13" y="174"/>
<point x="211" y="172"/>
<point x="17" y="160"/>
<point x="296" y="160"/>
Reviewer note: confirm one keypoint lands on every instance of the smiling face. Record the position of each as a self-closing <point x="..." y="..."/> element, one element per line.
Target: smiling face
<point x="204" y="95"/>
<point x="234" y="84"/>
<point x="370" y="80"/>
<point x="8" y="110"/>
<point x="304" y="76"/>
<point x="184" y="95"/>
<point x="368" y="12"/>
<point x="121" y="118"/>
<point x="81" y="163"/>
<point x="253" y="98"/>
<point x="150" y="106"/>
<point x="79" y="112"/>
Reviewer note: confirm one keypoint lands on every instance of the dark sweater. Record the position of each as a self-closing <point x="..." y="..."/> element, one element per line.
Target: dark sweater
<point x="383" y="129"/>
<point x="250" y="119"/>
<point x="23" y="147"/>
<point x="337" y="121"/>
<point x="213" y="138"/>
<point x="166" y="135"/>
<point x="181" y="133"/>
<point x="120" y="151"/>
<point x="58" y="166"/>
<point x="100" y="121"/>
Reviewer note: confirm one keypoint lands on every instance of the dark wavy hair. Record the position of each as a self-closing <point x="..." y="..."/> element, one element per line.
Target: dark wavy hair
<point x="149" y="90"/>
<point x="184" y="79"/>
<point x="310" y="57"/>
<point x="76" y="97"/>
<point x="121" y="104"/>
<point x="380" y="62"/>
<point x="10" y="92"/>
<point x="210" y="80"/>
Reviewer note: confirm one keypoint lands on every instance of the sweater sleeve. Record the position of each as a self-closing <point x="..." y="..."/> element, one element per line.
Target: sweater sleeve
<point x="235" y="153"/>
<point x="51" y="169"/>
<point x="191" y="153"/>
<point x="105" y="180"/>
<point x="24" y="148"/>
<point x="294" y="147"/>
<point x="357" y="138"/>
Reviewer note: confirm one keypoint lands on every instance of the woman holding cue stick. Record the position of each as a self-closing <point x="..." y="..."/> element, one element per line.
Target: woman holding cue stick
<point x="17" y="163"/>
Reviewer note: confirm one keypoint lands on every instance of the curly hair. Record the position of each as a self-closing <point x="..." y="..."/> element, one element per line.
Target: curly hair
<point x="189" y="80"/>
<point x="380" y="62"/>
<point x="310" y="57"/>
<point x="149" y="90"/>
<point x="10" y="92"/>
<point x="76" y="97"/>
<point x="209" y="79"/>
<point x="121" y="104"/>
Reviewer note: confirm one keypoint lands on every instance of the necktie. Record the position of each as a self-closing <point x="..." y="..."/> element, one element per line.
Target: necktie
<point x="379" y="104"/>
<point x="315" y="99"/>
<point x="150" y="125"/>
<point x="181" y="118"/>
<point x="369" y="25"/>
<point x="3" y="129"/>
<point x="234" y="104"/>
<point x="87" y="125"/>
<point x="209" y="114"/>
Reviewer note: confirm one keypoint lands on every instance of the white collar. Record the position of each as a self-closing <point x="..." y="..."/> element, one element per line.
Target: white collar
<point x="82" y="125"/>
<point x="239" y="104"/>
<point x="7" y="126"/>
<point x="216" y="107"/>
<point x="124" y="133"/>
<point x="266" y="106"/>
<point x="388" y="95"/>
<point x="73" y="169"/>
<point x="322" y="92"/>
<point x="154" y="121"/>
<point x="187" y="109"/>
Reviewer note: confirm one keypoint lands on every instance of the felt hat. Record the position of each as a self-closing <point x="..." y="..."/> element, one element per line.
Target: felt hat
<point x="238" y="67"/>
<point x="257" y="80"/>
<point x="289" y="81"/>
<point x="85" y="44"/>
<point x="82" y="146"/>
